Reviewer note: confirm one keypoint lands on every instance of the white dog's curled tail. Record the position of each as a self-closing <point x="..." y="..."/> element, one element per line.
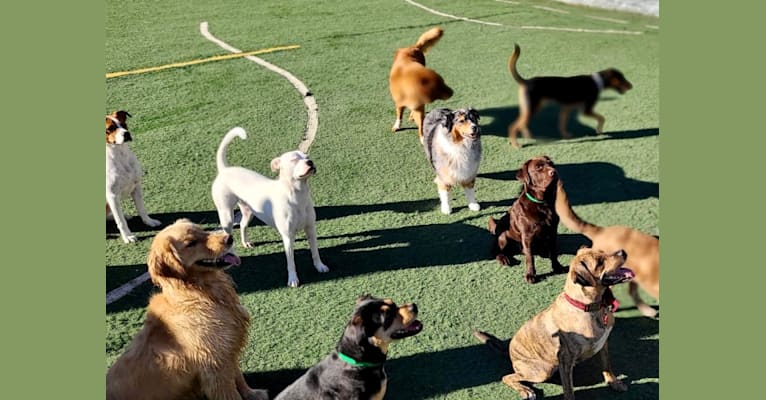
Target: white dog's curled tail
<point x="220" y="156"/>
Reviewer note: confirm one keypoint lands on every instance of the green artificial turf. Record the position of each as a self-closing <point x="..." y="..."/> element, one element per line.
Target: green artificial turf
<point x="379" y="227"/>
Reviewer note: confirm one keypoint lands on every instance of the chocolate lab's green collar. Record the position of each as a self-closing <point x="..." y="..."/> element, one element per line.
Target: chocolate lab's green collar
<point x="361" y="364"/>
<point x="532" y="199"/>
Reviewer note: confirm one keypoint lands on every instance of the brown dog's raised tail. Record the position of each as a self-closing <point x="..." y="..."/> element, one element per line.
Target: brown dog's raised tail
<point x="492" y="342"/>
<point x="568" y="216"/>
<point x="512" y="64"/>
<point x="428" y="39"/>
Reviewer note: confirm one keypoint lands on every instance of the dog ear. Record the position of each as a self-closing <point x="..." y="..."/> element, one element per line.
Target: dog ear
<point x="523" y="175"/>
<point x="473" y="115"/>
<point x="583" y="276"/>
<point x="275" y="164"/>
<point x="363" y="297"/>
<point x="492" y="225"/>
<point x="163" y="263"/>
<point x="121" y="115"/>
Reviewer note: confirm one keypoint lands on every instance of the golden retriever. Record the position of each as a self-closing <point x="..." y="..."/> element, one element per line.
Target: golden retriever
<point x="195" y="328"/>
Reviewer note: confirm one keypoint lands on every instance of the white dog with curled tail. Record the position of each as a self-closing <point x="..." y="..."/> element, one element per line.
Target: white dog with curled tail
<point x="283" y="203"/>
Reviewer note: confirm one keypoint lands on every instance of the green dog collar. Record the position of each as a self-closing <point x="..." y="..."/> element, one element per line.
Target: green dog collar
<point x="355" y="363"/>
<point x="532" y="199"/>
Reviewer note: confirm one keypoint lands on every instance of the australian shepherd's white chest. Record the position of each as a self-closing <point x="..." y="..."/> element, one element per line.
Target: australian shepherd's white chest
<point x="452" y="144"/>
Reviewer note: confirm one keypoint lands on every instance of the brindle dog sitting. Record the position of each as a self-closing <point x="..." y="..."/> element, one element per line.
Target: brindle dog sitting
<point x="573" y="328"/>
<point x="531" y="222"/>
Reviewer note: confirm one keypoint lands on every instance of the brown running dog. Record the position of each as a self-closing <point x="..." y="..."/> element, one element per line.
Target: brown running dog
<point x="573" y="328"/>
<point x="570" y="92"/>
<point x="531" y="222"/>
<point x="644" y="249"/>
<point x="194" y="330"/>
<point x="412" y="85"/>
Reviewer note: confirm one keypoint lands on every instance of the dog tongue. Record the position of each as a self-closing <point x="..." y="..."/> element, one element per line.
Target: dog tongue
<point x="626" y="273"/>
<point x="231" y="258"/>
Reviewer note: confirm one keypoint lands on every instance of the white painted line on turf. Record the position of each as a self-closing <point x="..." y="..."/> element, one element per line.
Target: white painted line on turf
<point x="451" y="16"/>
<point x="308" y="98"/>
<point x="508" y="2"/>
<point x="616" y="21"/>
<point x="581" y="30"/>
<point x="652" y="26"/>
<point x="551" y="9"/>
<point x="126" y="288"/>
<point x="533" y="27"/>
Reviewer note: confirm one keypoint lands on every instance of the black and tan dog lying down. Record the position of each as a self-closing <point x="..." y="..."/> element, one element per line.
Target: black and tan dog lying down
<point x="354" y="370"/>
<point x="573" y="328"/>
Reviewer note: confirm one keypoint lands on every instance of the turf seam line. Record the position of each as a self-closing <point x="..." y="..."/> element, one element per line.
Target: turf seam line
<point x="308" y="98"/>
<point x="198" y="61"/>
<point x="126" y="288"/>
<point x="531" y="27"/>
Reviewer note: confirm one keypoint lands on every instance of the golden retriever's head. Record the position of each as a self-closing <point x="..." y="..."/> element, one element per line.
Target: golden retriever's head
<point x="183" y="250"/>
<point x="595" y="268"/>
<point x="374" y="324"/>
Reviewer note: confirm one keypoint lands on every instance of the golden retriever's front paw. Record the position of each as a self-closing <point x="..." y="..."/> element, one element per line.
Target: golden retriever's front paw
<point x="618" y="385"/>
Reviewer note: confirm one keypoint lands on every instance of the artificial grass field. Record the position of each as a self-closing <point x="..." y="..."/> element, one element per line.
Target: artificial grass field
<point x="379" y="227"/>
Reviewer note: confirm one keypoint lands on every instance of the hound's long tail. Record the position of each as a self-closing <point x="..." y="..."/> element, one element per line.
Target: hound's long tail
<point x="220" y="156"/>
<point x="512" y="64"/>
<point x="569" y="218"/>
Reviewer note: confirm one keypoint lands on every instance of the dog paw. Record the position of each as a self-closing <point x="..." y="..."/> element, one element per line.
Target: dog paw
<point x="515" y="145"/>
<point x="647" y="311"/>
<point x="152" y="222"/>
<point x="474" y="206"/>
<point x="531" y="278"/>
<point x="322" y="268"/>
<point x="618" y="385"/>
<point x="248" y="245"/>
<point x="293" y="282"/>
<point x="503" y="259"/>
<point x="446" y="210"/>
<point x="129" y="239"/>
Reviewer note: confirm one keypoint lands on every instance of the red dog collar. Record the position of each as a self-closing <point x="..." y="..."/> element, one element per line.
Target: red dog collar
<point x="607" y="301"/>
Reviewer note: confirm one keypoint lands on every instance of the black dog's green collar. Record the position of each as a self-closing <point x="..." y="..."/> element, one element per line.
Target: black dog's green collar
<point x="355" y="363"/>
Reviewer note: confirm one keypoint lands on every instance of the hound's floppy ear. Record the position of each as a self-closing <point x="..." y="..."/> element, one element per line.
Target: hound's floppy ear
<point x="163" y="263"/>
<point x="583" y="276"/>
<point x="492" y="224"/>
<point x="275" y="164"/>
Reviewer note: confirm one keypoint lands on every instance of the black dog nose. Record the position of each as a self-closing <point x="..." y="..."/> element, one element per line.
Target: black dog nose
<point x="413" y="308"/>
<point x="309" y="163"/>
<point x="126" y="137"/>
<point x="229" y="240"/>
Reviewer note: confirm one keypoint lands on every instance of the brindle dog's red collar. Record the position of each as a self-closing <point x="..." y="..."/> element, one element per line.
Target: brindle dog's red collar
<point x="607" y="301"/>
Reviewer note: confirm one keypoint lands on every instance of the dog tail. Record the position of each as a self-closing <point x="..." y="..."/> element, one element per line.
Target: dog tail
<point x="512" y="64"/>
<point x="428" y="39"/>
<point x="220" y="156"/>
<point x="569" y="218"/>
<point x="492" y="342"/>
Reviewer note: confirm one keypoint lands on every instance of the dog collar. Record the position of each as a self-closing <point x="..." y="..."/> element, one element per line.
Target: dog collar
<point x="599" y="81"/>
<point x="355" y="363"/>
<point x="533" y="199"/>
<point x="607" y="301"/>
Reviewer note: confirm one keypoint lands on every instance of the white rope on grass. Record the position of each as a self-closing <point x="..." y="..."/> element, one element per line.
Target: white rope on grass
<point x="126" y="288"/>
<point x="308" y="98"/>
<point x="530" y="27"/>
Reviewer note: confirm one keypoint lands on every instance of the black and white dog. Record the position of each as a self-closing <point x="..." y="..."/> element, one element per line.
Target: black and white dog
<point x="354" y="370"/>
<point x="452" y="143"/>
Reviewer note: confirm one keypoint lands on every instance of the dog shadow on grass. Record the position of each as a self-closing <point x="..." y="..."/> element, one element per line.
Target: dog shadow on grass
<point x="425" y="375"/>
<point x="544" y="125"/>
<point x="593" y="182"/>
